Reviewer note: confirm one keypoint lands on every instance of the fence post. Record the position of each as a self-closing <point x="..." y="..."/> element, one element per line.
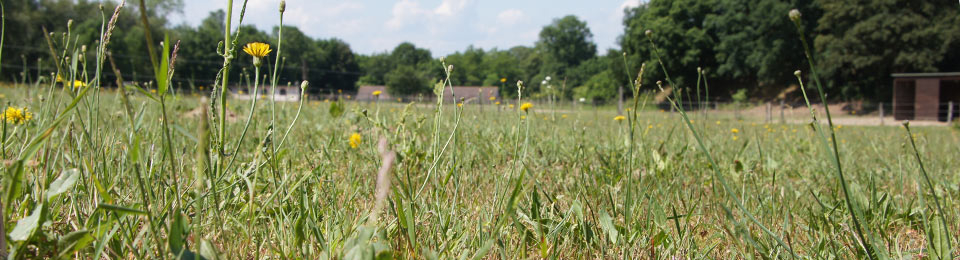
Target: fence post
<point x="783" y="119"/>
<point x="881" y="113"/>
<point x="949" y="111"/>
<point x="769" y="112"/>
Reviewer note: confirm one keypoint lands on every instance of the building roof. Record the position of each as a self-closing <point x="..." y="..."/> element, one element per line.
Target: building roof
<point x="926" y="75"/>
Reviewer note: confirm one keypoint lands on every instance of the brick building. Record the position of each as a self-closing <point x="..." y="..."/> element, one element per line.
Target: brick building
<point x="925" y="96"/>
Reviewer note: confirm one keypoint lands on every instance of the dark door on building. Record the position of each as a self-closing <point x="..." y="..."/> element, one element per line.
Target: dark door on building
<point x="905" y="97"/>
<point x="949" y="92"/>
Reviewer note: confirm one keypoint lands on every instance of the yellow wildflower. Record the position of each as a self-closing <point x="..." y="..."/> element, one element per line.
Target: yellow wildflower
<point x="526" y="106"/>
<point x="258" y="50"/>
<point x="79" y="84"/>
<point x="497" y="103"/>
<point x="523" y="117"/>
<point x="377" y="93"/>
<point x="493" y="98"/>
<point x="459" y="104"/>
<point x="355" y="140"/>
<point x="563" y="116"/>
<point x="619" y="118"/>
<point x="735" y="137"/>
<point x="502" y="80"/>
<point x="735" y="131"/>
<point x="510" y="106"/>
<point x="17" y="116"/>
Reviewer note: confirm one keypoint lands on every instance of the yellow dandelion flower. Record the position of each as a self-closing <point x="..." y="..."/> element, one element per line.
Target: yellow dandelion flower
<point x="258" y="50"/>
<point x="497" y="103"/>
<point x="523" y="117"/>
<point x="493" y="98"/>
<point x="649" y="126"/>
<point x="79" y="84"/>
<point x="718" y="122"/>
<point x="735" y="137"/>
<point x="17" y="116"/>
<point x="376" y="93"/>
<point x="563" y="116"/>
<point x="153" y="91"/>
<point x="459" y="104"/>
<point x="619" y="118"/>
<point x="526" y="106"/>
<point x="355" y="140"/>
<point x="502" y="80"/>
<point x="735" y="131"/>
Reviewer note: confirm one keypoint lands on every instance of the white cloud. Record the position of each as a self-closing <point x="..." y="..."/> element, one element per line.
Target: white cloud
<point x="407" y="12"/>
<point x="509" y="16"/>
<point x="629" y="4"/>
<point x="450" y="7"/>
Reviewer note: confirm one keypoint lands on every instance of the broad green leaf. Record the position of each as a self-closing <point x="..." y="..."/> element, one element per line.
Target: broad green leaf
<point x="26" y="226"/>
<point x="606" y="222"/>
<point x="73" y="242"/>
<point x="12" y="184"/>
<point x="63" y="183"/>
<point x="208" y="251"/>
<point x="178" y="234"/>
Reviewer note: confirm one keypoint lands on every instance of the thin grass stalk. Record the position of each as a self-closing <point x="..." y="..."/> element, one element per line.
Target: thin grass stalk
<point x="227" y="57"/>
<point x="437" y="150"/>
<point x="303" y="96"/>
<point x="246" y="125"/>
<point x="713" y="163"/>
<point x="867" y="245"/>
<point x="933" y="190"/>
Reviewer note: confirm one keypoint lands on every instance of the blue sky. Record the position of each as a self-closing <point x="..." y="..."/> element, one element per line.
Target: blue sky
<point x="443" y="26"/>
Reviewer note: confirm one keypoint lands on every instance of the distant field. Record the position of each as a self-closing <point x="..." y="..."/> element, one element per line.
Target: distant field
<point x="500" y="184"/>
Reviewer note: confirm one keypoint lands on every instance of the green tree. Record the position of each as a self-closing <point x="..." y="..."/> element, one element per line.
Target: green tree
<point x="405" y="80"/>
<point x="336" y="67"/>
<point x="862" y="42"/>
<point x="677" y="29"/>
<point x="374" y="68"/>
<point x="567" y="42"/>
<point x="755" y="44"/>
<point x="600" y="86"/>
<point x="198" y="62"/>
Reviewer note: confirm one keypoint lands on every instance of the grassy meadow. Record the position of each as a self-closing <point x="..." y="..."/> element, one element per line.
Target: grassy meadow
<point x="555" y="184"/>
<point x="150" y="172"/>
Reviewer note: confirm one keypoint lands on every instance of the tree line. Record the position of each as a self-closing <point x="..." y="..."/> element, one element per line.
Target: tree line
<point x="742" y="46"/>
